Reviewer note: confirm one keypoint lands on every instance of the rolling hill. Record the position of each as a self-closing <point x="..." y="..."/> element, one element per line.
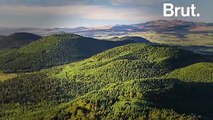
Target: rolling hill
<point x="54" y="50"/>
<point x="150" y="99"/>
<point x="120" y="83"/>
<point x="132" y="38"/>
<point x="17" y="40"/>
<point x="199" y="72"/>
<point x="133" y="61"/>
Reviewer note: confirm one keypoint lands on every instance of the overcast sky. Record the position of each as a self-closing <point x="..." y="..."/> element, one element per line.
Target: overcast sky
<point x="74" y="13"/>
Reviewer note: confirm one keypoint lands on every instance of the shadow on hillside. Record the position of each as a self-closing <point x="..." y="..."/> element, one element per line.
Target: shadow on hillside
<point x="184" y="97"/>
<point x="185" y="58"/>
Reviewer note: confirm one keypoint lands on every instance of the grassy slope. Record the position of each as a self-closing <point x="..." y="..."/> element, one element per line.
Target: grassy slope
<point x="52" y="51"/>
<point x="114" y="67"/>
<point x="4" y="76"/>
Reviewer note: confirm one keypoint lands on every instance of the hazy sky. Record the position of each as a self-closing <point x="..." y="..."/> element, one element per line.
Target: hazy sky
<point x="73" y="13"/>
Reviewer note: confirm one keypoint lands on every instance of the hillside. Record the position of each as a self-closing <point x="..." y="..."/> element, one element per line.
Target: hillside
<point x="132" y="38"/>
<point x="54" y="50"/>
<point x="142" y="99"/>
<point x="99" y="86"/>
<point x="199" y="72"/>
<point x="17" y="40"/>
<point x="133" y="61"/>
<point x="188" y="98"/>
<point x="130" y="61"/>
<point x="4" y="76"/>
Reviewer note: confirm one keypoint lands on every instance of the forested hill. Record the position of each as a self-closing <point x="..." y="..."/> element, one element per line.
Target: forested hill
<point x="54" y="50"/>
<point x="132" y="38"/>
<point x="17" y="40"/>
<point x="135" y="81"/>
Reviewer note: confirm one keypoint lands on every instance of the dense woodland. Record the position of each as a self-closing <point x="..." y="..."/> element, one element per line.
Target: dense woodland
<point x="17" y="40"/>
<point x="134" y="81"/>
<point x="54" y="50"/>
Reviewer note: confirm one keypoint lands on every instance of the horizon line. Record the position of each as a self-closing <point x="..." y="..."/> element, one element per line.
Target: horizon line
<point x="94" y="26"/>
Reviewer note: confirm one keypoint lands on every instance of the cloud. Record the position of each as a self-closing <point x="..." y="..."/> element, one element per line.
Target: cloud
<point x="136" y="2"/>
<point x="77" y="2"/>
<point x="34" y="2"/>
<point x="51" y="2"/>
<point x="93" y="12"/>
<point x="72" y="12"/>
<point x="88" y="9"/>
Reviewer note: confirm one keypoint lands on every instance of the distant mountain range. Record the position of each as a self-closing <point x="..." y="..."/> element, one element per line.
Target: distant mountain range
<point x="161" y="26"/>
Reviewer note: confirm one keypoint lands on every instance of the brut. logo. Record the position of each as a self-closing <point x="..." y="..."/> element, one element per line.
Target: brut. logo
<point x="169" y="10"/>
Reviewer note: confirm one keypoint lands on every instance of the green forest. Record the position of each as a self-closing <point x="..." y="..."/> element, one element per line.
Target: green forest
<point x="70" y="77"/>
<point x="52" y="51"/>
